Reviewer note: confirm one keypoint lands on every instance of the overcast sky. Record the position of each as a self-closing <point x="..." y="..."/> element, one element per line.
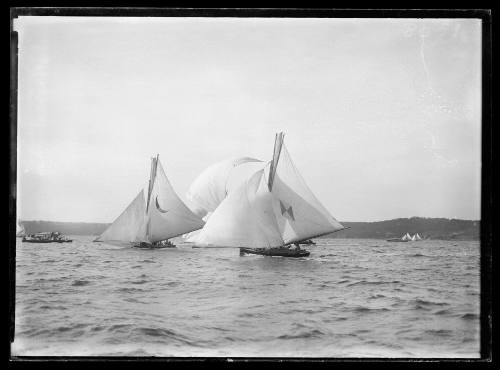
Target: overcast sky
<point x="382" y="117"/>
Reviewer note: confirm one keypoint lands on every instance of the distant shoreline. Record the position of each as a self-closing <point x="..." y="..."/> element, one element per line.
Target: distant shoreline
<point x="434" y="228"/>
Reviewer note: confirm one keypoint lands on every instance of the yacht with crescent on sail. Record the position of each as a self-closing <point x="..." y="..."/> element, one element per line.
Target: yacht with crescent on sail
<point x="150" y="222"/>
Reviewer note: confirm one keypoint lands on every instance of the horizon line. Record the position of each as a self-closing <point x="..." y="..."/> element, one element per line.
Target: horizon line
<point x="391" y="219"/>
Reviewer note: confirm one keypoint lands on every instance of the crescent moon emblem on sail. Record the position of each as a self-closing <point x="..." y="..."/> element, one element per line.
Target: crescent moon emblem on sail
<point x="158" y="206"/>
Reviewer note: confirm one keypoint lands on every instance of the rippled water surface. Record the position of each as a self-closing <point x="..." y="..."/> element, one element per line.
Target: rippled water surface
<point x="349" y="298"/>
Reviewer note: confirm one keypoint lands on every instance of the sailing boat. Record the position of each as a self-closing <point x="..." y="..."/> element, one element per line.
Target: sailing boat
<point x="20" y="231"/>
<point x="404" y="238"/>
<point x="268" y="212"/>
<point x="416" y="237"/>
<point x="150" y="222"/>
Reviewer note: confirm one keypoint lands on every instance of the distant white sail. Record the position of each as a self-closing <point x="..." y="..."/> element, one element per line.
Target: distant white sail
<point x="413" y="238"/>
<point x="211" y="187"/>
<point x="417" y="237"/>
<point x="254" y="216"/>
<point x="126" y="228"/>
<point x="20" y="229"/>
<point x="406" y="237"/>
<point x="161" y="217"/>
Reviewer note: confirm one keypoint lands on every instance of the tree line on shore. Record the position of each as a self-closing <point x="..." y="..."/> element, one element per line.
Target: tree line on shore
<point x="433" y="228"/>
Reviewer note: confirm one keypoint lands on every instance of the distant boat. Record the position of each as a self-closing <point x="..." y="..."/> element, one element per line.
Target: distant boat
<point x="46" y="237"/>
<point x="20" y="231"/>
<point x="404" y="238"/>
<point x="149" y="223"/>
<point x="416" y="237"/>
<point x="308" y="242"/>
<point x="268" y="212"/>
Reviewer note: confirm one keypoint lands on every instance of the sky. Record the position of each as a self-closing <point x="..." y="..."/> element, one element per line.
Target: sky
<point x="382" y="117"/>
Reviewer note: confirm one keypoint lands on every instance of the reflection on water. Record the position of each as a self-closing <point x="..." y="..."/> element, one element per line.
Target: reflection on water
<point x="349" y="298"/>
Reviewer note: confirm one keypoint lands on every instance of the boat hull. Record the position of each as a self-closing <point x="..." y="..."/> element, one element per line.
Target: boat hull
<point x="308" y="242"/>
<point x="397" y="240"/>
<point x="279" y="252"/>
<point x="151" y="246"/>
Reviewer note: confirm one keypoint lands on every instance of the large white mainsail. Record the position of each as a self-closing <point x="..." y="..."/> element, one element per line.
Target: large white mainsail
<point x="167" y="215"/>
<point x="162" y="216"/>
<point x="272" y="208"/>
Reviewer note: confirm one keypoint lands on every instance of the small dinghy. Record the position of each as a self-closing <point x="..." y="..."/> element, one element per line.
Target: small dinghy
<point x="308" y="242"/>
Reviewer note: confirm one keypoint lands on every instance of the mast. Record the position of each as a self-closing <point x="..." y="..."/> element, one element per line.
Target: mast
<point x="278" y="142"/>
<point x="152" y="178"/>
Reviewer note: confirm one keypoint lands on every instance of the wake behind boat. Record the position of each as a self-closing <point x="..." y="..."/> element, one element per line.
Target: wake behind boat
<point x="148" y="224"/>
<point x="272" y="209"/>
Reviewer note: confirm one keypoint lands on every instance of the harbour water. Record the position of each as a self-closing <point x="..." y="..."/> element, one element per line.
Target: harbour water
<point x="349" y="298"/>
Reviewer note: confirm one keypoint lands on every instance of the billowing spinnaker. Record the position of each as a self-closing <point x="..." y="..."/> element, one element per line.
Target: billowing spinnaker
<point x="167" y="215"/>
<point x="299" y="213"/>
<point x="126" y="228"/>
<point x="244" y="219"/>
<point x="211" y="187"/>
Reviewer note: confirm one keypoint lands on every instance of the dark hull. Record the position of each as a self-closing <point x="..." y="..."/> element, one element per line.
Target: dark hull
<point x="279" y="252"/>
<point x="151" y="246"/>
<point x="397" y="240"/>
<point x="308" y="242"/>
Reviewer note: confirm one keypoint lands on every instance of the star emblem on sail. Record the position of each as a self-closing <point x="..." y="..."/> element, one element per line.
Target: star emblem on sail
<point x="161" y="216"/>
<point x="259" y="213"/>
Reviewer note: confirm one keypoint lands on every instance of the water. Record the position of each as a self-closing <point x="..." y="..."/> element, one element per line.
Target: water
<point x="349" y="298"/>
